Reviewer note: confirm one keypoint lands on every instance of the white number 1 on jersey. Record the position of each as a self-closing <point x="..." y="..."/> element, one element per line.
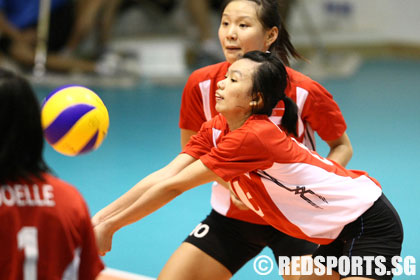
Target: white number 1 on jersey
<point x="28" y="241"/>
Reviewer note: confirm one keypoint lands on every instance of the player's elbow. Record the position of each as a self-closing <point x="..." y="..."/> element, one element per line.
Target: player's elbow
<point x="170" y="194"/>
<point x="174" y="189"/>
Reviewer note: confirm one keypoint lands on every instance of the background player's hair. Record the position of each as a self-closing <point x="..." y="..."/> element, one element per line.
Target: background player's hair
<point x="269" y="15"/>
<point x="270" y="79"/>
<point x="21" y="141"/>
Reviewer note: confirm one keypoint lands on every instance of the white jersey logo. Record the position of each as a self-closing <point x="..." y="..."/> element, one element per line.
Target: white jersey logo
<point x="245" y="198"/>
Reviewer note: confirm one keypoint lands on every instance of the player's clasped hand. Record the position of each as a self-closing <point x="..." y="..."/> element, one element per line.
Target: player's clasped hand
<point x="103" y="236"/>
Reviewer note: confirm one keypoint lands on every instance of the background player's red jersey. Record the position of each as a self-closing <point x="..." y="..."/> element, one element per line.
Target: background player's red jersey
<point x="46" y="232"/>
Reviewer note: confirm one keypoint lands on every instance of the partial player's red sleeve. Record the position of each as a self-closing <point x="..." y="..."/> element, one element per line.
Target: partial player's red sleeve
<point x="237" y="154"/>
<point x="323" y="114"/>
<point x="200" y="143"/>
<point x="192" y="112"/>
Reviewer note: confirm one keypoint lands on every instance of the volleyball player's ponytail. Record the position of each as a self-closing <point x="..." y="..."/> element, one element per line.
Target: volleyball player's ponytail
<point x="283" y="47"/>
<point x="290" y="116"/>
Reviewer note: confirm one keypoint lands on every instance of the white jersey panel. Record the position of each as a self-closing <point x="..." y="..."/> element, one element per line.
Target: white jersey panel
<point x="301" y="95"/>
<point x="309" y="137"/>
<point x="220" y="198"/>
<point x="205" y="94"/>
<point x="325" y="205"/>
<point x="72" y="270"/>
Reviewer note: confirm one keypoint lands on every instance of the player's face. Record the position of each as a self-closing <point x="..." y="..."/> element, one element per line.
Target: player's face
<point x="233" y="95"/>
<point x="240" y="30"/>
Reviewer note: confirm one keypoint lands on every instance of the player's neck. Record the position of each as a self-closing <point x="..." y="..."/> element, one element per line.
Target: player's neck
<point x="236" y="122"/>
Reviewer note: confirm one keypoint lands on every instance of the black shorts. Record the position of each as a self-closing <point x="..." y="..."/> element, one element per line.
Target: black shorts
<point x="233" y="243"/>
<point x="60" y="27"/>
<point x="378" y="232"/>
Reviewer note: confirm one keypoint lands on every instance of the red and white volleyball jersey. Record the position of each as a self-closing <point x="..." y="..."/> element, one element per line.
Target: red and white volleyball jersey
<point x="317" y="112"/>
<point x="46" y="232"/>
<point x="289" y="186"/>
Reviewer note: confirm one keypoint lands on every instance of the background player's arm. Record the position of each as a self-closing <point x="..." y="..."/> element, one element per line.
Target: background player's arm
<point x="154" y="198"/>
<point x="341" y="150"/>
<point x="324" y="116"/>
<point x="127" y="199"/>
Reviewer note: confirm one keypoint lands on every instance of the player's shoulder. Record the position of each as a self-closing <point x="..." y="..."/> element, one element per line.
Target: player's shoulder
<point x="54" y="180"/>
<point x="61" y="186"/>
<point x="300" y="80"/>
<point x="261" y="127"/>
<point x="298" y="77"/>
<point x="210" y="71"/>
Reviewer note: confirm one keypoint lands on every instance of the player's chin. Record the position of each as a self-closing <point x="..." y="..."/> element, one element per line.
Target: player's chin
<point x="231" y="57"/>
<point x="218" y="107"/>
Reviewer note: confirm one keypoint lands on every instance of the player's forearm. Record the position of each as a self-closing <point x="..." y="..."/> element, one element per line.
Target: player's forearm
<point x="162" y="193"/>
<point x="341" y="150"/>
<point x="341" y="154"/>
<point x="131" y="196"/>
<point x="152" y="200"/>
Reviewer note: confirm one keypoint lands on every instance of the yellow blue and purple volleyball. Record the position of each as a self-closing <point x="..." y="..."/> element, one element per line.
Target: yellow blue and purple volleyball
<point x="74" y="119"/>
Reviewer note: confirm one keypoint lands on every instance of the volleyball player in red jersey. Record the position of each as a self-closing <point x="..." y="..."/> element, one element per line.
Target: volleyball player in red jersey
<point x="245" y="26"/>
<point x="46" y="231"/>
<point x="292" y="188"/>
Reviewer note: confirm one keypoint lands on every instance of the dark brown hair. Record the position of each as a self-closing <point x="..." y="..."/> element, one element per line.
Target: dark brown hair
<point x="21" y="141"/>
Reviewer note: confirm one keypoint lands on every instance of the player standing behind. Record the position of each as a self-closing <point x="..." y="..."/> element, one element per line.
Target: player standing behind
<point x="46" y="231"/>
<point x="250" y="25"/>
